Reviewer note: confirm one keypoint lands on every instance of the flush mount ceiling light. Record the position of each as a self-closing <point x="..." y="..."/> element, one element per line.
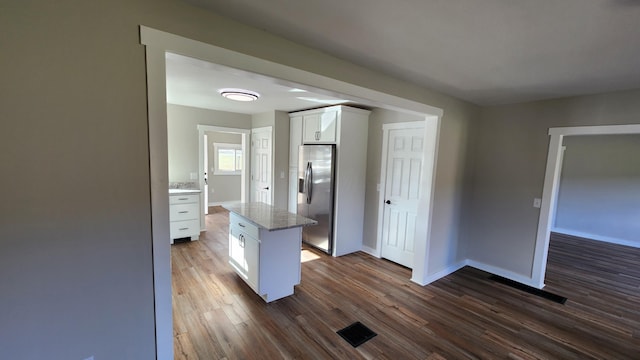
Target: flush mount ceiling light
<point x="239" y="94"/>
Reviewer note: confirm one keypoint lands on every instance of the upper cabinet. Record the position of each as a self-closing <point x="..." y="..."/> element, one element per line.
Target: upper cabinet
<point x="320" y="127"/>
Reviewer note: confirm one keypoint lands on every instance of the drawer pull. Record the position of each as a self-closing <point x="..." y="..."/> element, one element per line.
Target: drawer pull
<point x="182" y="212"/>
<point x="183" y="198"/>
<point x="181" y="229"/>
<point x="241" y="224"/>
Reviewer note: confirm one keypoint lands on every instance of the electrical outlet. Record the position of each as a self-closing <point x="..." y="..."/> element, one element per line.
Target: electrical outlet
<point x="537" y="202"/>
<point x="194" y="175"/>
<point x="281" y="174"/>
<point x="378" y="187"/>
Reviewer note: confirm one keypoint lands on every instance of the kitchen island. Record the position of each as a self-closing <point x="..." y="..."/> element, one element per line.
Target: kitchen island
<point x="264" y="247"/>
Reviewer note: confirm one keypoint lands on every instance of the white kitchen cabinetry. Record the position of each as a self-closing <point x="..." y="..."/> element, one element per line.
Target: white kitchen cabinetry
<point x="320" y="126"/>
<point x="348" y="129"/>
<point x="184" y="215"/>
<point x="267" y="260"/>
<point x="243" y="254"/>
<point x="295" y="140"/>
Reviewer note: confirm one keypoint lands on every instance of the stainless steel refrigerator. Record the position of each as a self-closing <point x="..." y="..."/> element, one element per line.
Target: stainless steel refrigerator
<point x="316" y="176"/>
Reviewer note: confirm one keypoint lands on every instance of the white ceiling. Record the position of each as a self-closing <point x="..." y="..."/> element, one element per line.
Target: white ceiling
<point x="195" y="83"/>
<point x="487" y="52"/>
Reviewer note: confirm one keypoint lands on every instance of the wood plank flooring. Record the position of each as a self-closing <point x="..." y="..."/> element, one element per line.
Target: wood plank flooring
<point x="463" y="316"/>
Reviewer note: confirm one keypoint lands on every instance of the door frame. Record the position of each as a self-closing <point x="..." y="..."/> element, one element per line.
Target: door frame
<point x="271" y="162"/>
<point x="552" y="183"/>
<point x="202" y="129"/>
<point x="157" y="43"/>
<point x="386" y="129"/>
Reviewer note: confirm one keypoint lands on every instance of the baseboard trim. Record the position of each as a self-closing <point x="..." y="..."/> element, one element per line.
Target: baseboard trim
<point x="441" y="273"/>
<point x="494" y="270"/>
<point x="371" y="251"/>
<point x="504" y="273"/>
<point x="589" y="236"/>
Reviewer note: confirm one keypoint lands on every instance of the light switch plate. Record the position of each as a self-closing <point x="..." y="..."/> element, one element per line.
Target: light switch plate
<point x="537" y="202"/>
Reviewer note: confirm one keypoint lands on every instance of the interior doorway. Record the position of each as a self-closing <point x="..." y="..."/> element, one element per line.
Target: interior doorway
<point x="206" y="172"/>
<point x="261" y="165"/>
<point x="157" y="43"/>
<point x="551" y="184"/>
<point x="402" y="153"/>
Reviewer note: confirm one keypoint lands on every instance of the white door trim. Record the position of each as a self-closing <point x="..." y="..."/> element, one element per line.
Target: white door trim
<point x="550" y="189"/>
<point x="157" y="44"/>
<point x="383" y="174"/>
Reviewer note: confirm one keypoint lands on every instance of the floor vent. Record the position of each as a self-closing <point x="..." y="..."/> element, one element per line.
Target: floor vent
<point x="356" y="334"/>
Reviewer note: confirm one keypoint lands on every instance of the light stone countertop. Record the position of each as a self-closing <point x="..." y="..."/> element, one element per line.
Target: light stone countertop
<point x="269" y="217"/>
<point x="183" y="191"/>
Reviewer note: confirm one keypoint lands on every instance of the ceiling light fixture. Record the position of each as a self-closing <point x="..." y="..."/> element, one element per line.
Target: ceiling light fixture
<point x="239" y="94"/>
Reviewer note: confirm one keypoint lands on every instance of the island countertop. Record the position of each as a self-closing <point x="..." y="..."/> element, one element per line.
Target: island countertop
<point x="269" y="217"/>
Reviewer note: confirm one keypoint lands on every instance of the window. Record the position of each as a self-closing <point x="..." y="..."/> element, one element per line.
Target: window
<point x="227" y="159"/>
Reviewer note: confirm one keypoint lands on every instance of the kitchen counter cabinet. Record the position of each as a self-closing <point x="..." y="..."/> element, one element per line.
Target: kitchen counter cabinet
<point x="184" y="214"/>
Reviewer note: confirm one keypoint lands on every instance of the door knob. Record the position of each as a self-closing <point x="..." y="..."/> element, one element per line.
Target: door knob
<point x="388" y="202"/>
<point x="266" y="188"/>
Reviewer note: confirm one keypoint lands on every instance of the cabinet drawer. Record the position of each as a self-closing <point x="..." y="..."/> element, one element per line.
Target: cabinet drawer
<point x="179" y="212"/>
<point x="184" y="199"/>
<point x="187" y="228"/>
<point x="243" y="225"/>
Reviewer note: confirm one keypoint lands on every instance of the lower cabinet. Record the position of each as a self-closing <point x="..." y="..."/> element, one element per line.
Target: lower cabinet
<point x="243" y="256"/>
<point x="184" y="216"/>
<point x="268" y="261"/>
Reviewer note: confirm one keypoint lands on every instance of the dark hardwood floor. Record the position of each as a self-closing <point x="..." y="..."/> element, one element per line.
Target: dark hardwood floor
<point x="462" y="316"/>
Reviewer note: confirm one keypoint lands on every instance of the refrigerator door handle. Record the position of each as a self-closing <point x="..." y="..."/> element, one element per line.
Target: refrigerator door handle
<point x="310" y="183"/>
<point x="305" y="182"/>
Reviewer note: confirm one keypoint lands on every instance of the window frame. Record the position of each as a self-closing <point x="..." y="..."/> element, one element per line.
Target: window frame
<point x="237" y="148"/>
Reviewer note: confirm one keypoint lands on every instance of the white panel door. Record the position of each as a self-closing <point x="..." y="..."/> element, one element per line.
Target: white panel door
<point x="261" y="154"/>
<point x="401" y="194"/>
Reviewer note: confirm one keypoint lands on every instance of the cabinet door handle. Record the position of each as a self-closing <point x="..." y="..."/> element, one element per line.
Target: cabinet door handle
<point x="241" y="241"/>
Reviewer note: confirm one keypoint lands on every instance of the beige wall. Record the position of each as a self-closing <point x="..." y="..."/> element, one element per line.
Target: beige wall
<point x="76" y="263"/>
<point x="509" y="159"/>
<point x="599" y="195"/>
<point x="222" y="188"/>
<point x="182" y="136"/>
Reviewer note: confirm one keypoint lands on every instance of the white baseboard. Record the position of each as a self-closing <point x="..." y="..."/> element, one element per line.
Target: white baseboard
<point x="371" y="251"/>
<point x="502" y="272"/>
<point x="480" y="266"/>
<point x="442" y="273"/>
<point x="612" y="240"/>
